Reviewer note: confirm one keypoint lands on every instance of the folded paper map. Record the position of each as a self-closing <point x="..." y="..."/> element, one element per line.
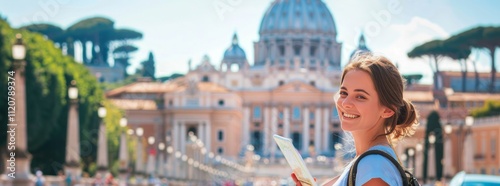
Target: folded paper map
<point x="295" y="160"/>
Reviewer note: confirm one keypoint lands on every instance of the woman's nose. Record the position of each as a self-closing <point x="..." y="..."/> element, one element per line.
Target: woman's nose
<point x="347" y="103"/>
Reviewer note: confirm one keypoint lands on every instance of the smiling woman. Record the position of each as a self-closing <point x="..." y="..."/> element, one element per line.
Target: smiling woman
<point x="370" y="105"/>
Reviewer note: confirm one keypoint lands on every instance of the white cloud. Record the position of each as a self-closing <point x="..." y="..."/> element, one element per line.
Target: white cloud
<point x="402" y="38"/>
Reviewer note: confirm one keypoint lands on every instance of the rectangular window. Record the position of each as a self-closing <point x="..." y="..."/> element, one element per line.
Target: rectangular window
<point x="296" y="113"/>
<point x="257" y="112"/>
<point x="280" y="115"/>
<point x="282" y="50"/>
<point x="220" y="150"/>
<point x="297" y="49"/>
<point x="220" y="135"/>
<point x="312" y="51"/>
<point x="311" y="115"/>
<point x="221" y="102"/>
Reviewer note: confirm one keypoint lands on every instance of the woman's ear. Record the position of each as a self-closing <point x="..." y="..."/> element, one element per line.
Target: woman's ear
<point x="387" y="113"/>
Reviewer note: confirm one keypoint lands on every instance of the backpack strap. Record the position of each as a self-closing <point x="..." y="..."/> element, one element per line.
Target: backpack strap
<point x="352" y="172"/>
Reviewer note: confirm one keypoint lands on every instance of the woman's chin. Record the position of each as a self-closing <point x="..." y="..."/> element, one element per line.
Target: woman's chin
<point x="347" y="127"/>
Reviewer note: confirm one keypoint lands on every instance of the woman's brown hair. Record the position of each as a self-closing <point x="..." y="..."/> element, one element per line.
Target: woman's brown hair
<point x="389" y="85"/>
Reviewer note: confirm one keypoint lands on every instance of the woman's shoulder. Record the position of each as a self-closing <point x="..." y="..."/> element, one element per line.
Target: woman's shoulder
<point x="378" y="166"/>
<point x="378" y="161"/>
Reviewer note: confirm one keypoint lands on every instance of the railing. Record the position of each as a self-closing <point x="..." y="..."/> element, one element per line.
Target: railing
<point x="486" y="121"/>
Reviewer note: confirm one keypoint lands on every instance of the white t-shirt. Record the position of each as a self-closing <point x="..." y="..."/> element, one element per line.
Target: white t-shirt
<point x="374" y="166"/>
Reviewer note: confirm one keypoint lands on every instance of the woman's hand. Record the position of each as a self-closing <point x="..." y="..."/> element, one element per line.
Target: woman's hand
<point x="297" y="182"/>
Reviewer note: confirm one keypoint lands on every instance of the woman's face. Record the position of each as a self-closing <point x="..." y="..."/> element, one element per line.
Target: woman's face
<point x="358" y="103"/>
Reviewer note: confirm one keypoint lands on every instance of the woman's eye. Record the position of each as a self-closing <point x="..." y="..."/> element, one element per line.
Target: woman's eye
<point x="343" y="93"/>
<point x="360" y="97"/>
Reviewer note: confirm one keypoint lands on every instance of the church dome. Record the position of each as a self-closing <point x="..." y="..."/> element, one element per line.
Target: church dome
<point x="234" y="51"/>
<point x="298" y="15"/>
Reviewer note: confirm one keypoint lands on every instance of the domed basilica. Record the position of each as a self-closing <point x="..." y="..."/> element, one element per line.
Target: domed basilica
<point x="287" y="90"/>
<point x="238" y="105"/>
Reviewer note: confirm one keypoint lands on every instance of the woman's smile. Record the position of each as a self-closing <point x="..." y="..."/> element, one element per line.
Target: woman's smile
<point x="349" y="116"/>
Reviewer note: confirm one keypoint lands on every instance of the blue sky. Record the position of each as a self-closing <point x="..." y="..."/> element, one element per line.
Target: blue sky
<point x="176" y="31"/>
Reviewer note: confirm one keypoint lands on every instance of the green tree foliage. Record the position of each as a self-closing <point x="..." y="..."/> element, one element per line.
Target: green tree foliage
<point x="48" y="75"/>
<point x="490" y="108"/>
<point x="481" y="37"/>
<point x="122" y="56"/>
<point x="53" y="32"/>
<point x="173" y="76"/>
<point x="148" y="67"/>
<point x="128" y="80"/>
<point x="433" y="49"/>
<point x="434" y="126"/>
<point x="125" y="34"/>
<point x="459" y="53"/>
<point x="97" y="30"/>
<point x="412" y="78"/>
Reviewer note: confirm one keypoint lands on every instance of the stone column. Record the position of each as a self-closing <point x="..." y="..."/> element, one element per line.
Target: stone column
<point x="123" y="158"/>
<point x="73" y="166"/>
<point x="139" y="162"/>
<point x="274" y="129"/>
<point x="326" y="127"/>
<point x="266" y="130"/>
<point x="305" y="131"/>
<point x="286" y="119"/>
<point x="102" y="151"/>
<point x="199" y="133"/>
<point x="317" y="130"/>
<point x="246" y="126"/>
<point x="175" y="136"/>
<point x="183" y="138"/>
<point x="208" y="132"/>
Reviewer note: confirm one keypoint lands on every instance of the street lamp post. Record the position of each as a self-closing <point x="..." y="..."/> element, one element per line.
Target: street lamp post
<point x="432" y="158"/>
<point x="73" y="167"/>
<point x="102" y="151"/>
<point x="468" y="151"/>
<point x="161" y="160"/>
<point x="123" y="157"/>
<point x="419" y="161"/>
<point x="404" y="159"/>
<point x="18" y="162"/>
<point x="411" y="157"/>
<point x="150" y="169"/>
<point x="168" y="157"/>
<point x="449" y="168"/>
<point x="139" y="167"/>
